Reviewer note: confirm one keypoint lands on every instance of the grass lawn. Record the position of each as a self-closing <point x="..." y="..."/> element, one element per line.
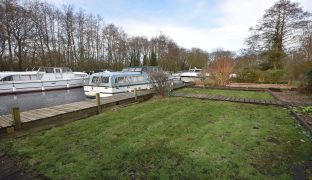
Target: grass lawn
<point x="229" y="93"/>
<point x="170" y="138"/>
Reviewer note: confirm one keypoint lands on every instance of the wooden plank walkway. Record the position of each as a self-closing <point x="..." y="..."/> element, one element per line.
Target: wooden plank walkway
<point x="37" y="114"/>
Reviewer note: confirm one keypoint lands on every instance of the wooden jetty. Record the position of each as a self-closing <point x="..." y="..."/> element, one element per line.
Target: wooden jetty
<point x="61" y="114"/>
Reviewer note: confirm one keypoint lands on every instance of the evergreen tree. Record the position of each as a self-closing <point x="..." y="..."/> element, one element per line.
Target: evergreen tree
<point x="137" y="60"/>
<point x="153" y="59"/>
<point x="145" y="60"/>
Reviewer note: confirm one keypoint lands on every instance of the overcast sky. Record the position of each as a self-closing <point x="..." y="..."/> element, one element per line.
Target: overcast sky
<point x="206" y="24"/>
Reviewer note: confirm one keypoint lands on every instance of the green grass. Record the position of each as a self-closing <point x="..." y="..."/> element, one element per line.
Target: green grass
<point x="170" y="138"/>
<point x="229" y="93"/>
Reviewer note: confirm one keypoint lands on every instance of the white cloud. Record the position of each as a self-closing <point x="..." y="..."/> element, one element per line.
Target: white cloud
<point x="228" y="37"/>
<point x="231" y="18"/>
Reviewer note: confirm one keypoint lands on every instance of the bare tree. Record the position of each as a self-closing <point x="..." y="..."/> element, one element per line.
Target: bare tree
<point x="221" y="70"/>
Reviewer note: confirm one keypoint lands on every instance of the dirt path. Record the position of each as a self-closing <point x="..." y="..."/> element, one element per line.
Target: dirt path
<point x="293" y="97"/>
<point x="9" y="169"/>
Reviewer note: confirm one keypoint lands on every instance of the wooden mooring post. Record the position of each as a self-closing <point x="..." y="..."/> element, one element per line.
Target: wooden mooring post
<point x="98" y="102"/>
<point x="135" y="94"/>
<point x="16" y="117"/>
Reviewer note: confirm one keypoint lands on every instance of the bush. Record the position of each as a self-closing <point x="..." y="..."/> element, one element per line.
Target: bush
<point x="209" y="82"/>
<point x="306" y="85"/>
<point x="273" y="76"/>
<point x="247" y="76"/>
<point x="160" y="83"/>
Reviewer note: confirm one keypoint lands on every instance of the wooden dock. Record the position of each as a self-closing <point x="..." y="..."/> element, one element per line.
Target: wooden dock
<point x="51" y="116"/>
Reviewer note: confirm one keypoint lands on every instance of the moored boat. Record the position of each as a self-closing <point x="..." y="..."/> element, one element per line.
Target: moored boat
<point x="40" y="79"/>
<point x="110" y="83"/>
<point x="191" y="76"/>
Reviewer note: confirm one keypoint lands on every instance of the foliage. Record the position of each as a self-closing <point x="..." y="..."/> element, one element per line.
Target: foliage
<point x="229" y="93"/>
<point x="153" y="59"/>
<point x="171" y="138"/>
<point x="221" y="69"/>
<point x="160" y="83"/>
<point x="278" y="30"/>
<point x="220" y="54"/>
<point x="273" y="76"/>
<point x="263" y="66"/>
<point x="209" y="82"/>
<point x="247" y="76"/>
<point x="196" y="58"/>
<point x="306" y="110"/>
<point x="306" y="85"/>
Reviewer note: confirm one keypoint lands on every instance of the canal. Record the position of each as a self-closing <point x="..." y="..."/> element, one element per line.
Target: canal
<point x="37" y="100"/>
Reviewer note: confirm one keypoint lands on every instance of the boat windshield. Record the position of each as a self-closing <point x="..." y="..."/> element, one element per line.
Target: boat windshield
<point x="195" y="70"/>
<point x="46" y="69"/>
<point x="35" y="68"/>
<point x="7" y="78"/>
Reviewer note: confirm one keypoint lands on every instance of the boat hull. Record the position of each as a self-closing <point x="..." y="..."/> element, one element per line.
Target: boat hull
<point x="35" y="86"/>
<point x="190" y="78"/>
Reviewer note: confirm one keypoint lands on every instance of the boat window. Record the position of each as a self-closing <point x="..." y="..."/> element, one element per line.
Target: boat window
<point x="47" y="70"/>
<point x="99" y="80"/>
<point x="66" y="69"/>
<point x="25" y="77"/>
<point x="130" y="79"/>
<point x="57" y="70"/>
<point x="140" y="78"/>
<point x="16" y="78"/>
<point x="138" y="69"/>
<point x="33" y="77"/>
<point x="8" y="78"/>
<point x="120" y="80"/>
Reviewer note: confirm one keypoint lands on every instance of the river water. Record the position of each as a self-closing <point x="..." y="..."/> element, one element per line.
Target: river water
<point x="37" y="100"/>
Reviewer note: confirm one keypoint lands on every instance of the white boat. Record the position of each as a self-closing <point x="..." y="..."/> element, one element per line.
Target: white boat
<point x="191" y="76"/>
<point x="110" y="83"/>
<point x="40" y="79"/>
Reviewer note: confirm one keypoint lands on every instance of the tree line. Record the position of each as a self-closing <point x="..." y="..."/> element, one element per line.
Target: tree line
<point x="36" y="33"/>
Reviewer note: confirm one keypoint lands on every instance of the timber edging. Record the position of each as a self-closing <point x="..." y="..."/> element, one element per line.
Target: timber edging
<point x="301" y="120"/>
<point x="230" y="99"/>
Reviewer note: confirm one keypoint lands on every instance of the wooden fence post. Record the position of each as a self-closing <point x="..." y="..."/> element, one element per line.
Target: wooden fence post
<point x="98" y="102"/>
<point x="135" y="94"/>
<point x="16" y="117"/>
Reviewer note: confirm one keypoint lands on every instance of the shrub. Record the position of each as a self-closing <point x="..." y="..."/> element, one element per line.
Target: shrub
<point x="209" y="82"/>
<point x="221" y="69"/>
<point x="306" y="85"/>
<point x="247" y="76"/>
<point x="160" y="83"/>
<point x="273" y="76"/>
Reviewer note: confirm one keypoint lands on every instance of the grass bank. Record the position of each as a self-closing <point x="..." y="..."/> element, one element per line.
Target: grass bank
<point x="170" y="138"/>
<point x="230" y="93"/>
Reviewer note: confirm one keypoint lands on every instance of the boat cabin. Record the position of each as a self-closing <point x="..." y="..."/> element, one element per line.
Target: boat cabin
<point x="37" y="73"/>
<point x="110" y="83"/>
<point x="118" y="79"/>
